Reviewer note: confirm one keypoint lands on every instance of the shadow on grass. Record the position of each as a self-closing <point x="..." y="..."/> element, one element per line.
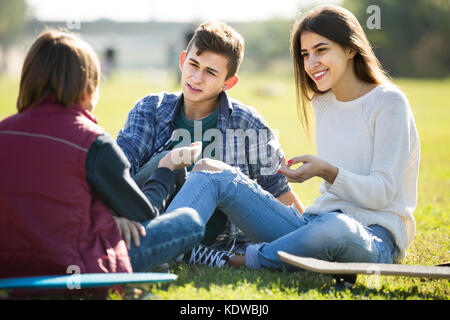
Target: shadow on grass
<point x="296" y="285"/>
<point x="279" y="284"/>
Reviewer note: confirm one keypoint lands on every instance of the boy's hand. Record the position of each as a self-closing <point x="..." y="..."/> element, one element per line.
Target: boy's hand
<point x="181" y="157"/>
<point x="130" y="229"/>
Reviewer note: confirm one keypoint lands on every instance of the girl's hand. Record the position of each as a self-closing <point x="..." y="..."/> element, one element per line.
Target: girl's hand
<point x="312" y="167"/>
<point x="130" y="229"/>
<point x="181" y="157"/>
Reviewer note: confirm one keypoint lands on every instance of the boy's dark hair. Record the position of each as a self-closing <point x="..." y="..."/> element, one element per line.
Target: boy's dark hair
<point x="60" y="64"/>
<point x="219" y="38"/>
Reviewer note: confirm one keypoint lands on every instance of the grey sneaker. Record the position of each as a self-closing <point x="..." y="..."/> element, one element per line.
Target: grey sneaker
<point x="209" y="257"/>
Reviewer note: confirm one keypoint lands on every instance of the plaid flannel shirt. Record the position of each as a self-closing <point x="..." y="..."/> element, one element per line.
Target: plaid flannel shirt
<point x="150" y="129"/>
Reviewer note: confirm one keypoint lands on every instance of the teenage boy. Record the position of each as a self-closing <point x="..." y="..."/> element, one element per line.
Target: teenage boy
<point x="229" y="130"/>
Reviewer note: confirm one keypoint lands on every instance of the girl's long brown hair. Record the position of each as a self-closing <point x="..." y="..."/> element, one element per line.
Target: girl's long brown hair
<point x="60" y="64"/>
<point x="341" y="26"/>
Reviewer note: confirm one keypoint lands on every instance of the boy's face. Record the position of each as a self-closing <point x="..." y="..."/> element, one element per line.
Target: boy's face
<point x="204" y="77"/>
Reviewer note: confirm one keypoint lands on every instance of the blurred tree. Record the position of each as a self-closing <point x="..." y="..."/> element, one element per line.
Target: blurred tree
<point x="12" y="19"/>
<point x="12" y="22"/>
<point x="265" y="42"/>
<point x="413" y="39"/>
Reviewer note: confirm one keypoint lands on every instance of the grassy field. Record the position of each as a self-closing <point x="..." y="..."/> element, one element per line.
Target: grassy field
<point x="274" y="99"/>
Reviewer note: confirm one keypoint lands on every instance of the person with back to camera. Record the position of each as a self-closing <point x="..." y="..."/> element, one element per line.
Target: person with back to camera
<point x="368" y="154"/>
<point x="62" y="175"/>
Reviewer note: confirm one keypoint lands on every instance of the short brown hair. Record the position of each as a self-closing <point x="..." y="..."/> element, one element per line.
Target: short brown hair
<point x="220" y="38"/>
<point x="341" y="26"/>
<point x="57" y="63"/>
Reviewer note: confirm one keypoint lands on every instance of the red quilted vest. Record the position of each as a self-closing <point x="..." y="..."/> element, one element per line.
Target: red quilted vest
<point x="49" y="217"/>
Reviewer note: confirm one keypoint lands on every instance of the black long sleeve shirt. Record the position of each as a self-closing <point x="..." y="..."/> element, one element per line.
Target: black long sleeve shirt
<point x="107" y="171"/>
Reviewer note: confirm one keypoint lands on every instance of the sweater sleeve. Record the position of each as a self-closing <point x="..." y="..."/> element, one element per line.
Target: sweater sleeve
<point x="107" y="171"/>
<point x="392" y="148"/>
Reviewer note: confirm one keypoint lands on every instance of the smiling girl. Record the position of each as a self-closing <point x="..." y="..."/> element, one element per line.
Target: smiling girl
<point x="367" y="155"/>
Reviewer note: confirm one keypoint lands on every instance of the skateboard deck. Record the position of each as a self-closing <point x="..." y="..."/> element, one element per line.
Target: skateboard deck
<point x="334" y="268"/>
<point x="88" y="280"/>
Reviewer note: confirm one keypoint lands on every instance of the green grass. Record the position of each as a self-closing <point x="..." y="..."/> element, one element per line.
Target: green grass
<point x="429" y="101"/>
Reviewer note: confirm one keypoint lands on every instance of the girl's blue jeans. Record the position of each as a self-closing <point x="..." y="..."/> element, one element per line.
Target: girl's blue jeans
<point x="273" y="226"/>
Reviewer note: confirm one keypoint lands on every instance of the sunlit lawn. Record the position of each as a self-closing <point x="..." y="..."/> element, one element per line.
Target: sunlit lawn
<point x="274" y="98"/>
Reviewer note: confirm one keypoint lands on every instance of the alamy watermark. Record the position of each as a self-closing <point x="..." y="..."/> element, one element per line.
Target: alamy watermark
<point x="374" y="281"/>
<point x="74" y="281"/>
<point x="374" y="20"/>
<point x="73" y="23"/>
<point x="259" y="148"/>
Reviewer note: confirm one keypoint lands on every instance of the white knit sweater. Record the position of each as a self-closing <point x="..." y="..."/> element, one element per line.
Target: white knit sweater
<point x="374" y="143"/>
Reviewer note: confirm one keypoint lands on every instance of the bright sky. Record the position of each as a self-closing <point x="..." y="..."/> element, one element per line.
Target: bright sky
<point x="169" y="10"/>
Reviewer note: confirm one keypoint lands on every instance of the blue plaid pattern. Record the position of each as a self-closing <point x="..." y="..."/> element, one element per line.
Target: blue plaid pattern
<point x="150" y="129"/>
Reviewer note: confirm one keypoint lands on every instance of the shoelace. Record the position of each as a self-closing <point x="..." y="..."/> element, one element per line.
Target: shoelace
<point x="213" y="258"/>
<point x="232" y="247"/>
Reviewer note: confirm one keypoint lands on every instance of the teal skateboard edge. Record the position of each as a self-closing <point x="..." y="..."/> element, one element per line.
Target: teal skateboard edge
<point x="88" y="280"/>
